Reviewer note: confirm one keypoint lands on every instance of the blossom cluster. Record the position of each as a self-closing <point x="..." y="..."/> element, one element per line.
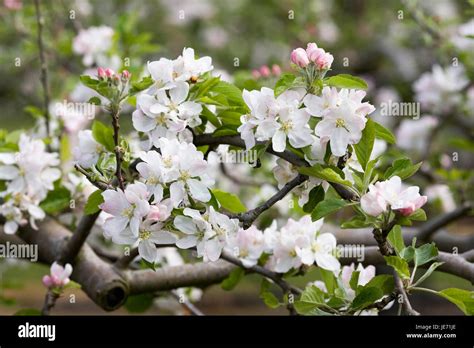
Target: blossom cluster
<point x="313" y="54"/>
<point x="164" y="109"/>
<point x="93" y="43"/>
<point x="391" y="194"/>
<point x="29" y="175"/>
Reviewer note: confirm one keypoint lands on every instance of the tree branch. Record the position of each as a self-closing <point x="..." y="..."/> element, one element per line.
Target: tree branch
<point x="406" y="305"/>
<point x="44" y="66"/>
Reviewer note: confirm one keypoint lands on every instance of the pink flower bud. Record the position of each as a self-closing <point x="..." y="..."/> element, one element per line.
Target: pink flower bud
<point x="276" y="70"/>
<point x="300" y="58"/>
<point x="157" y="213"/>
<point x="14" y="5"/>
<point x="313" y="51"/>
<point x="417" y="204"/>
<point x="47" y="281"/>
<point x="101" y="73"/>
<point x="265" y="71"/>
<point x="126" y="75"/>
<point x="109" y="72"/>
<point x="256" y="74"/>
<point x="324" y="61"/>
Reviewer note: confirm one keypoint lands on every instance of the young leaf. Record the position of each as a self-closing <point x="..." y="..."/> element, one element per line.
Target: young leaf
<point x="103" y="135"/>
<point x="233" y="279"/>
<point x="383" y="282"/>
<point x="316" y="195"/>
<point x="395" y="237"/>
<point x="325" y="173"/>
<point x="229" y="201"/>
<point x="383" y="133"/>
<point x="363" y="149"/>
<point x="425" y="254"/>
<point x="285" y="82"/>
<point x="326" y="207"/>
<point x="403" y="168"/>
<point x="418" y="215"/>
<point x="346" y="81"/>
<point x="399" y="265"/>
<point x="311" y="298"/>
<point x="366" y="296"/>
<point x="93" y="202"/>
<point x="56" y="200"/>
<point x="143" y="84"/>
<point x="430" y="270"/>
<point x="464" y="299"/>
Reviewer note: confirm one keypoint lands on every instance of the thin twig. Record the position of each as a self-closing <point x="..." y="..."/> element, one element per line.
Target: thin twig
<point x="49" y="302"/>
<point x="117" y="149"/>
<point x="187" y="304"/>
<point x="406" y="305"/>
<point x="44" y="66"/>
<point x="101" y="185"/>
<point x="125" y="260"/>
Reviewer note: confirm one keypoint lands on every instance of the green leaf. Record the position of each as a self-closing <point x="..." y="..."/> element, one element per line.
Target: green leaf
<point x="328" y="279"/>
<point x="326" y="207"/>
<point x="464" y="299"/>
<point x="72" y="285"/>
<point x="233" y="279"/>
<point x="64" y="148"/>
<point x="346" y="81"/>
<point x="139" y="303"/>
<point x="384" y="282"/>
<point x="89" y="81"/>
<point x="366" y="296"/>
<point x="395" y="237"/>
<point x="268" y="298"/>
<point x="225" y="130"/>
<point x="430" y="270"/>
<point x="34" y="111"/>
<point x="56" y="200"/>
<point x="383" y="133"/>
<point x="408" y="253"/>
<point x="93" y="202"/>
<point x="143" y="84"/>
<point x="103" y="135"/>
<point x="208" y="115"/>
<point x="403" y="168"/>
<point x="316" y="195"/>
<point x="417" y="215"/>
<point x="354" y="280"/>
<point x="356" y="222"/>
<point x="231" y="92"/>
<point x="311" y="299"/>
<point x="284" y="82"/>
<point x="229" y="201"/>
<point x="325" y="173"/>
<point x="205" y="86"/>
<point x="95" y="101"/>
<point x="399" y="265"/>
<point x="363" y="149"/>
<point x="28" y="312"/>
<point x="425" y="254"/>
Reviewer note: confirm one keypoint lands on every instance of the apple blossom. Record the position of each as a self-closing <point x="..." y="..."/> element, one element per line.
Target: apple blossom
<point x="365" y="275"/>
<point x="248" y="245"/>
<point x="92" y="43"/>
<point x="149" y="234"/>
<point x="319" y="56"/>
<point x="59" y="276"/>
<point x="343" y="117"/>
<point x="391" y="193"/>
<point x="88" y="150"/>
<point x="208" y="232"/>
<point x="127" y="208"/>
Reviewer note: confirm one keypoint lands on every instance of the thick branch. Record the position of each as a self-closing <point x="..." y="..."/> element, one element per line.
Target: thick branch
<point x="429" y="228"/>
<point x="77" y="240"/>
<point x="168" y="278"/>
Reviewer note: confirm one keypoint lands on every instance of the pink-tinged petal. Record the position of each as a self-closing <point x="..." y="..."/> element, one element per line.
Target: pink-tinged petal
<point x="48" y="281"/>
<point x="300" y="138"/>
<point x="114" y="202"/>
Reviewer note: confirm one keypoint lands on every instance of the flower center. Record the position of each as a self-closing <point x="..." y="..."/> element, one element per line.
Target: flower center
<point x="161" y="120"/>
<point x="185" y="175"/>
<point x="128" y="213"/>
<point x="167" y="161"/>
<point x="144" y="235"/>
<point x="340" y="123"/>
<point x="287" y="126"/>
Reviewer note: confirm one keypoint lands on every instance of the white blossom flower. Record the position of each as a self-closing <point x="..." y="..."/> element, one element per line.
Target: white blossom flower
<point x="413" y="135"/>
<point x="248" y="245"/>
<point x="438" y="90"/>
<point x="208" y="232"/>
<point x="127" y="208"/>
<point x="88" y="150"/>
<point x="149" y="234"/>
<point x="365" y="275"/>
<point x="92" y="43"/>
<point x="343" y="117"/>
